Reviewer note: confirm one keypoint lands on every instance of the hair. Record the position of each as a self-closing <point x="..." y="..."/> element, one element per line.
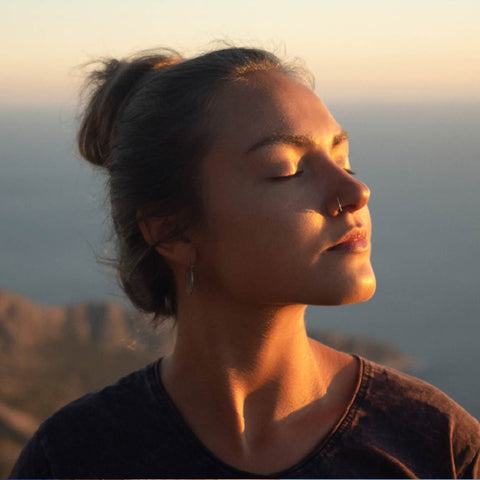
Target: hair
<point x="146" y="123"/>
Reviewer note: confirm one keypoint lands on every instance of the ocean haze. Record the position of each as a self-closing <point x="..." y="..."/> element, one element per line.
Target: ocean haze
<point x="420" y="161"/>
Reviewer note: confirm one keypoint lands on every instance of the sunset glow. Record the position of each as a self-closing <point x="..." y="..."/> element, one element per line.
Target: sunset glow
<point x="371" y="50"/>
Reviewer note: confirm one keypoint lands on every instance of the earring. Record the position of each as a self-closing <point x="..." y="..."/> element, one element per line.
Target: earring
<point x="189" y="279"/>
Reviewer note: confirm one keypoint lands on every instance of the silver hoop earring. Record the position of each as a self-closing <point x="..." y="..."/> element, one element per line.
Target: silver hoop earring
<point x="340" y="208"/>
<point x="189" y="279"/>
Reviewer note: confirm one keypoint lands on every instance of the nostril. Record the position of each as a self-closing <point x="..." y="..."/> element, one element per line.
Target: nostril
<point x="350" y="197"/>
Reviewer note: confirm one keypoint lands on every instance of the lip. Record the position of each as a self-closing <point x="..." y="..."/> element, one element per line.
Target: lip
<point x="355" y="241"/>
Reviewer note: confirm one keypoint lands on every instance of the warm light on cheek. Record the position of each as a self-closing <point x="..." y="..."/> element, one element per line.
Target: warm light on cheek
<point x="310" y="222"/>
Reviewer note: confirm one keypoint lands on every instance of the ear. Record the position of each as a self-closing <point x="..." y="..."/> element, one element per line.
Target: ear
<point x="180" y="252"/>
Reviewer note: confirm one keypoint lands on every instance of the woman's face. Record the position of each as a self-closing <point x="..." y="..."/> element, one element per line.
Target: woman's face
<point x="271" y="179"/>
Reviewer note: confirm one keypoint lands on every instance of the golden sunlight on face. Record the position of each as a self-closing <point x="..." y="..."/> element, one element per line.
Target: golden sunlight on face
<point x="274" y="182"/>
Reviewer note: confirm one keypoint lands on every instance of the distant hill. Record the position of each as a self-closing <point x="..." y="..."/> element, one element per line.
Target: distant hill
<point x="24" y="325"/>
<point x="50" y="355"/>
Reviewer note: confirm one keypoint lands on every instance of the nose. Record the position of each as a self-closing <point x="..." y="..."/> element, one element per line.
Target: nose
<point x="346" y="194"/>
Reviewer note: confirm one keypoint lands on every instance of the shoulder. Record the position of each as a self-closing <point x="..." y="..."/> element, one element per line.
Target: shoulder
<point x="420" y="414"/>
<point x="389" y="388"/>
<point x="106" y="407"/>
<point x="97" y="426"/>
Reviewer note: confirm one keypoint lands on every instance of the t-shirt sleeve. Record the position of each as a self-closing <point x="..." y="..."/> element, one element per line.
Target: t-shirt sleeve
<point x="466" y="444"/>
<point x="32" y="462"/>
<point x="472" y="470"/>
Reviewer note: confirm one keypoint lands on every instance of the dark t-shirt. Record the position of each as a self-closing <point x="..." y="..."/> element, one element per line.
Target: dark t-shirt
<point x="395" y="427"/>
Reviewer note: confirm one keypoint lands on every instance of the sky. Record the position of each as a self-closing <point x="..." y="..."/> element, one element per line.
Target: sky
<point x="368" y="50"/>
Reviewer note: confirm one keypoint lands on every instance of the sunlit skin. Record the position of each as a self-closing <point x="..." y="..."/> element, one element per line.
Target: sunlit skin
<point x="254" y="388"/>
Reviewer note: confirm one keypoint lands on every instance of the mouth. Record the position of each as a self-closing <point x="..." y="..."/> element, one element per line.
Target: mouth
<point x="355" y="241"/>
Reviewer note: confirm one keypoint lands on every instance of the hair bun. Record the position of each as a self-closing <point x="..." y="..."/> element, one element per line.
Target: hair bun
<point x="109" y="87"/>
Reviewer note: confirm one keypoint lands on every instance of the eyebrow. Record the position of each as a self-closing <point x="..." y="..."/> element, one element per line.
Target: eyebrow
<point x="339" y="138"/>
<point x="297" y="141"/>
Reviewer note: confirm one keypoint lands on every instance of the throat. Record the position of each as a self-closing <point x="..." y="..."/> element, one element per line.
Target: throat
<point x="249" y="394"/>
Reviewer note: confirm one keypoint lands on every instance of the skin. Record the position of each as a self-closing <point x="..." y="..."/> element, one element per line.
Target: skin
<point x="249" y="382"/>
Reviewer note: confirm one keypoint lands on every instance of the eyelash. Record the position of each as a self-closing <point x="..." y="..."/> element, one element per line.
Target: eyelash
<point x="299" y="172"/>
<point x="296" y="174"/>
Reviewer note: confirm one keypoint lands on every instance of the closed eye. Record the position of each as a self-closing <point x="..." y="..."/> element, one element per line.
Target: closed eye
<point x="286" y="177"/>
<point x="299" y="172"/>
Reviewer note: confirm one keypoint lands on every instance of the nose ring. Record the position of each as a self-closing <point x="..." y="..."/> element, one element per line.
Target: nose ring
<point x="340" y="208"/>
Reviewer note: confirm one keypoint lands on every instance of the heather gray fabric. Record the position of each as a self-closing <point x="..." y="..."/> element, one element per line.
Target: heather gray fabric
<point x="396" y="427"/>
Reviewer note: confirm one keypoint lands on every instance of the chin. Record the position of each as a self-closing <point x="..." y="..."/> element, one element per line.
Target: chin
<point x="361" y="295"/>
<point x="363" y="291"/>
<point x="349" y="291"/>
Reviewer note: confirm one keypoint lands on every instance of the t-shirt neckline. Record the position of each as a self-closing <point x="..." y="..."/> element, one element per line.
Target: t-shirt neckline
<point x="323" y="445"/>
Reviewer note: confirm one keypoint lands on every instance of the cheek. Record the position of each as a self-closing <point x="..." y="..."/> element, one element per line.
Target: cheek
<point x="255" y="236"/>
<point x="255" y="215"/>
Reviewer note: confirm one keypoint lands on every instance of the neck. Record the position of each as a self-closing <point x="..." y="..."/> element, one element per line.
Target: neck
<point x="257" y="364"/>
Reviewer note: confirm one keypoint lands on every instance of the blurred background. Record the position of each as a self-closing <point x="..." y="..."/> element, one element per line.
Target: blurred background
<point x="403" y="77"/>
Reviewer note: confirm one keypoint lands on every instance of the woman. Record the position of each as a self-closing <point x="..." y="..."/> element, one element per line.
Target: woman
<point x="235" y="207"/>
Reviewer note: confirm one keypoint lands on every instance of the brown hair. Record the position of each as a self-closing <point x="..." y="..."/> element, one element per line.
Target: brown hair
<point x="146" y="123"/>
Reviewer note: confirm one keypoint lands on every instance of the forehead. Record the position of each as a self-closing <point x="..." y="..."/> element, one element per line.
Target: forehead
<point x="267" y="103"/>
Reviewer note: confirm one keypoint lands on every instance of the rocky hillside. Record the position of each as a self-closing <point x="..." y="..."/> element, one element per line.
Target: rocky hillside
<point x="50" y="355"/>
<point x="25" y="324"/>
